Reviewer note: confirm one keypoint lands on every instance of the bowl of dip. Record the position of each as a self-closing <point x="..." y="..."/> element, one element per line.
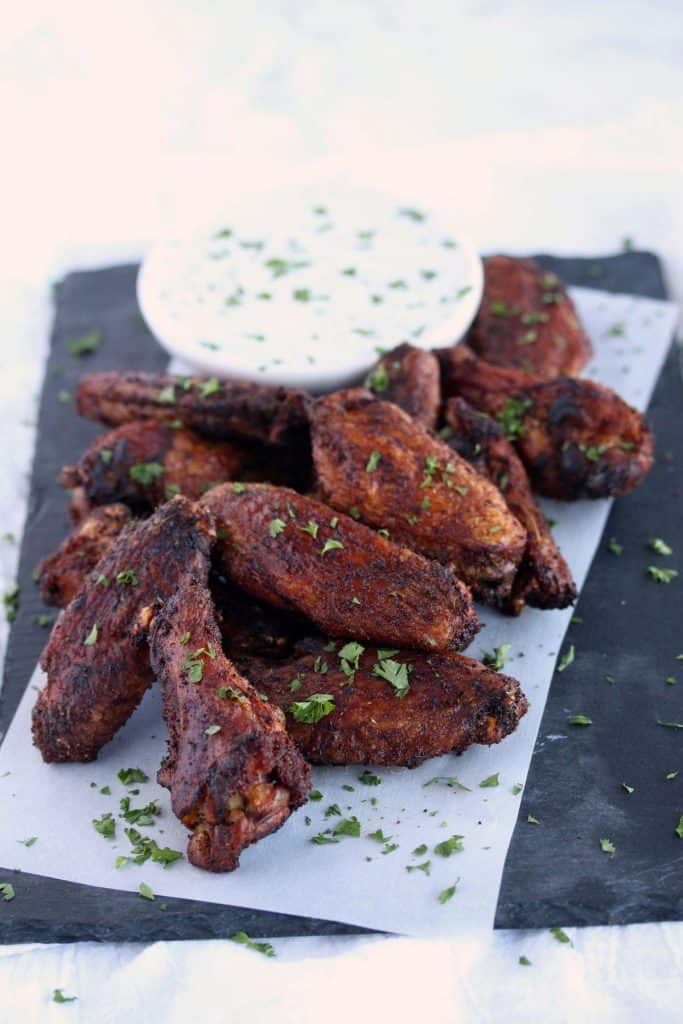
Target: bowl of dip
<point x="306" y="286"/>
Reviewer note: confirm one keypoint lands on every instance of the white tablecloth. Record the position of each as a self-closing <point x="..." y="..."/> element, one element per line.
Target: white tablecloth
<point x="543" y="129"/>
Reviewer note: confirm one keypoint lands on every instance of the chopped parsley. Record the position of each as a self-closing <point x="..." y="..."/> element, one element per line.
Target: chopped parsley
<point x="167" y="394"/>
<point x="311" y="710"/>
<point x="499" y="657"/>
<point x="607" y="846"/>
<point x="347" y="827"/>
<point x="378" y="380"/>
<point x="560" y="936"/>
<point x="370" y="779"/>
<point x="661" y="575"/>
<point x="349" y="656"/>
<point x="449" y="846"/>
<point x="511" y="417"/>
<point x="679" y="828"/>
<point x="311" y="527"/>
<point x="322" y="840"/>
<point x="238" y="488"/>
<point x="394" y="672"/>
<point x="660" y="546"/>
<point x="139" y="815"/>
<point x="447" y="894"/>
<point x="211" y="730"/>
<point x="531" y="820"/>
<point x="426" y="867"/>
<point x="106" y="825"/>
<point x="91" y="638"/>
<point x="276" y="526"/>
<point x="579" y="720"/>
<point x="331" y="545"/>
<point x="106" y="455"/>
<point x="373" y="461"/>
<point x="59" y="997"/>
<point x="242" y="939"/>
<point x="490" y="782"/>
<point x="127" y="577"/>
<point x="7" y="891"/>
<point x="614" y="546"/>
<point x="132" y="776"/>
<point x="11" y="603"/>
<point x="28" y="842"/>
<point x="452" y="781"/>
<point x="629" y="789"/>
<point x="145" y="891"/>
<point x="194" y="665"/>
<point x="379" y="836"/>
<point x="209" y="387"/>
<point x="145" y="848"/>
<point x="567" y="659"/>
<point x="524" y="961"/>
<point x="146" y="473"/>
<point x="85" y="345"/>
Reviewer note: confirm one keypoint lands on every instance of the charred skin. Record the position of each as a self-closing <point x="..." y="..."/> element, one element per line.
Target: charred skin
<point x="217" y="410"/>
<point x="577" y="439"/>
<point x="409" y="377"/>
<point x="451" y="514"/>
<point x="527" y="321"/>
<point x="453" y="702"/>
<point x="251" y="627"/>
<point x="543" y="579"/>
<point x="107" y="471"/>
<point x="233" y="772"/>
<point x="62" y="574"/>
<point x="92" y="689"/>
<point x="367" y="588"/>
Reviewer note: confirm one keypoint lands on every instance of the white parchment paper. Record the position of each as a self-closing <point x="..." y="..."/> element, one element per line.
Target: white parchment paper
<point x="355" y="880"/>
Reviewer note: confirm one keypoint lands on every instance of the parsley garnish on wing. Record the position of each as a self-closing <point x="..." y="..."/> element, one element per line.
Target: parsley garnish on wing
<point x="311" y="710"/>
<point x="146" y="473"/>
<point x="394" y="672"/>
<point x="373" y="462"/>
<point x="511" y="417"/>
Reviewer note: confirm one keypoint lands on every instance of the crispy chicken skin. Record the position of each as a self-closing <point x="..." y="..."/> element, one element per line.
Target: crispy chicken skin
<point x="233" y="772"/>
<point x="62" y="574"/>
<point x="576" y="438"/>
<point x="251" y="627"/>
<point x="143" y="463"/>
<point x="371" y="455"/>
<point x="409" y="377"/>
<point x="97" y="658"/>
<point x="527" y="320"/>
<point x="217" y="410"/>
<point x="453" y="701"/>
<point x="543" y="579"/>
<point x="298" y="554"/>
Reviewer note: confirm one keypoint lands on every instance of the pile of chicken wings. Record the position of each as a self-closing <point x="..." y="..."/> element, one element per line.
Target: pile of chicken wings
<point x="298" y="574"/>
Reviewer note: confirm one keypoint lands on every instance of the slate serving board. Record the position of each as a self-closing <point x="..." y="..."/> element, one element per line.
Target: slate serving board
<point x="555" y="873"/>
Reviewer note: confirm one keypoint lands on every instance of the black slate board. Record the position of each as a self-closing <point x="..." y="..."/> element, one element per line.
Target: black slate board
<point x="572" y="882"/>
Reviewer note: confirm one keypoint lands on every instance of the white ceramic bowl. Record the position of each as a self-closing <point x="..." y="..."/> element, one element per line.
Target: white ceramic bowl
<point x="303" y="286"/>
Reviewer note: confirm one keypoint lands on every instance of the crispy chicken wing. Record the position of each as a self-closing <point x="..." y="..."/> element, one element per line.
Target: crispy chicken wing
<point x="576" y="438"/>
<point x="62" y="574"/>
<point x="298" y="554"/>
<point x="409" y="377"/>
<point x="527" y="320"/>
<point x="97" y="658"/>
<point x="371" y="456"/>
<point x="144" y="463"/>
<point x="452" y="701"/>
<point x="233" y="772"/>
<point x="543" y="579"/>
<point x="214" y="409"/>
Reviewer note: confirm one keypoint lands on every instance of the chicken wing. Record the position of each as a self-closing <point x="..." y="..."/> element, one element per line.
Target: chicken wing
<point x="97" y="658"/>
<point x="233" y="772"/>
<point x="62" y="574"/>
<point x="448" y="702"/>
<point x="576" y="438"/>
<point x="144" y="463"/>
<point x="409" y="377"/>
<point x="543" y="579"/>
<point x="214" y="409"/>
<point x="527" y="320"/>
<point x="297" y="554"/>
<point x="370" y="456"/>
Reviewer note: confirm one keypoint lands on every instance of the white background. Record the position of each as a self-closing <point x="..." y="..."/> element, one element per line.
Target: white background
<point x="544" y="126"/>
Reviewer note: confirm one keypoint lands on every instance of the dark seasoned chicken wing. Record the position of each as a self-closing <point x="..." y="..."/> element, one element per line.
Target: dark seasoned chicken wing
<point x="62" y="574"/>
<point x="528" y="321"/>
<point x="543" y="579"/>
<point x="97" y="658"/>
<point x="144" y="463"/>
<point x="212" y="408"/>
<point x="409" y="377"/>
<point x="576" y="438"/>
<point x="233" y="772"/>
<point x="298" y="554"/>
<point x="371" y="456"/>
<point x="450" y="702"/>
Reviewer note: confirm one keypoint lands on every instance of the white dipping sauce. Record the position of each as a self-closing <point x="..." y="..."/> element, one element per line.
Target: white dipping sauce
<point x="305" y="287"/>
